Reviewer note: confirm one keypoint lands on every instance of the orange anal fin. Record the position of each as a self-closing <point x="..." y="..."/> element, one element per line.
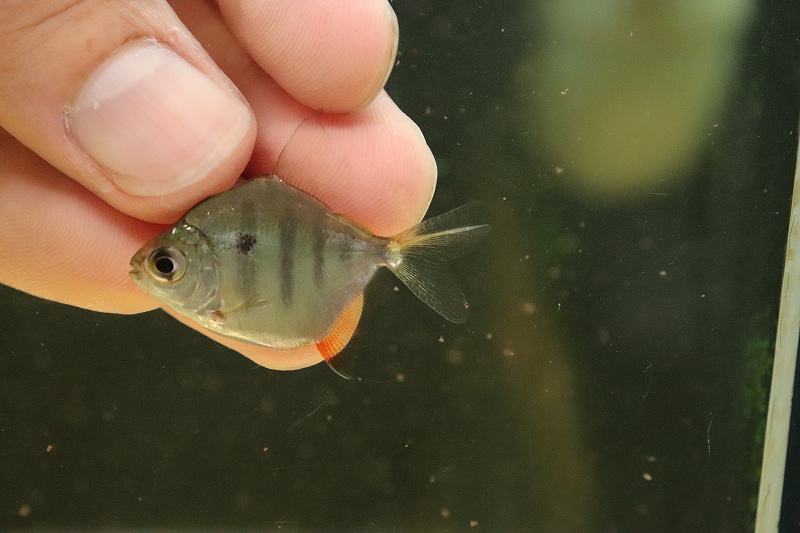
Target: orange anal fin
<point x="340" y="335"/>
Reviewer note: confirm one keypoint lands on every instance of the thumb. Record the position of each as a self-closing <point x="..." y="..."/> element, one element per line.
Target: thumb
<point x="121" y="97"/>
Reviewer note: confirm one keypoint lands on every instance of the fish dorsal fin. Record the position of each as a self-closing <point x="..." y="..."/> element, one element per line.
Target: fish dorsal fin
<point x="340" y="335"/>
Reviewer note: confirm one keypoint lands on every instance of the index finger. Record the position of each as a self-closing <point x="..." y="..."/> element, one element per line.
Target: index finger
<point x="330" y="56"/>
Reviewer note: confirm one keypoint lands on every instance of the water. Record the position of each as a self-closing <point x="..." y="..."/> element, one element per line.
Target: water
<point x="636" y="162"/>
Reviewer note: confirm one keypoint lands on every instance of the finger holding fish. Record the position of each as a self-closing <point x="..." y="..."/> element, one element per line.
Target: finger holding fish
<point x="88" y="266"/>
<point x="78" y="254"/>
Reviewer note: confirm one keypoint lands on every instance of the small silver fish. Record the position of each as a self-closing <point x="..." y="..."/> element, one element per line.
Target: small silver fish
<point x="269" y="265"/>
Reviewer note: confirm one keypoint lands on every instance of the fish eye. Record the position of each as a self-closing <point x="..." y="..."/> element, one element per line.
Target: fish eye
<point x="167" y="264"/>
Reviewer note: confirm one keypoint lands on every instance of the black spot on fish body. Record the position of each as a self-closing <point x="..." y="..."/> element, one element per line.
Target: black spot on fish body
<point x="245" y="242"/>
<point x="244" y="246"/>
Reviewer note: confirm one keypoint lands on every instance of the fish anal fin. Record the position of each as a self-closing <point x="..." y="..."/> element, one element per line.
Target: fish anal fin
<point x="341" y="333"/>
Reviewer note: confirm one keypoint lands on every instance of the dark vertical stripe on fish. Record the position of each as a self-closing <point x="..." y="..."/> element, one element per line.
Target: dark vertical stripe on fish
<point x="244" y="244"/>
<point x="288" y="233"/>
<point x="318" y="247"/>
<point x="346" y="248"/>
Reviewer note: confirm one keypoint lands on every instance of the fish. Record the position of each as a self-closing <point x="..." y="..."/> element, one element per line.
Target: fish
<point x="268" y="264"/>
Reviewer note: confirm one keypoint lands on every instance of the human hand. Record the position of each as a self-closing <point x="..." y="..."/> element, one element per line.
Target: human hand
<point x="118" y="116"/>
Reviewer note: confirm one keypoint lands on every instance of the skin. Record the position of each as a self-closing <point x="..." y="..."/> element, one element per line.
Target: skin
<point x="312" y="73"/>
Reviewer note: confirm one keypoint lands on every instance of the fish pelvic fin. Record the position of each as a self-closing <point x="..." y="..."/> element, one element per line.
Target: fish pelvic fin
<point x="341" y="333"/>
<point x="419" y="257"/>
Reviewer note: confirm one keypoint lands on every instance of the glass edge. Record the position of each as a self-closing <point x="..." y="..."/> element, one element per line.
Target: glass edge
<point x="782" y="385"/>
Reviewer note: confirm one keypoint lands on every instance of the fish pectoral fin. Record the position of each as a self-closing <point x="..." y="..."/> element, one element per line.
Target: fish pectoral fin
<point x="219" y="316"/>
<point x="341" y="333"/>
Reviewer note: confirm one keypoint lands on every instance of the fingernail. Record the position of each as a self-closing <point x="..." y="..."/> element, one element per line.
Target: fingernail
<point x="154" y="122"/>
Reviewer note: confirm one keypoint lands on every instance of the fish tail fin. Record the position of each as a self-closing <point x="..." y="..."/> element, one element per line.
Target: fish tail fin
<point x="419" y="257"/>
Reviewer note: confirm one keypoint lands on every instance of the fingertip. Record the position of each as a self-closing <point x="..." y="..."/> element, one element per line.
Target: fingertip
<point x="330" y="56"/>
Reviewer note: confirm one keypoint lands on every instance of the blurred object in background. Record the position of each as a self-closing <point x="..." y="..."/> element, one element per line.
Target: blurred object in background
<point x="623" y="94"/>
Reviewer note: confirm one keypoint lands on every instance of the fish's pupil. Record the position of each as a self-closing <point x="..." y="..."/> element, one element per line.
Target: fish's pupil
<point x="165" y="265"/>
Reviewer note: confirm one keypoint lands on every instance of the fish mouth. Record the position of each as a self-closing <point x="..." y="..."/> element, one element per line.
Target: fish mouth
<point x="136" y="263"/>
<point x="136" y="270"/>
